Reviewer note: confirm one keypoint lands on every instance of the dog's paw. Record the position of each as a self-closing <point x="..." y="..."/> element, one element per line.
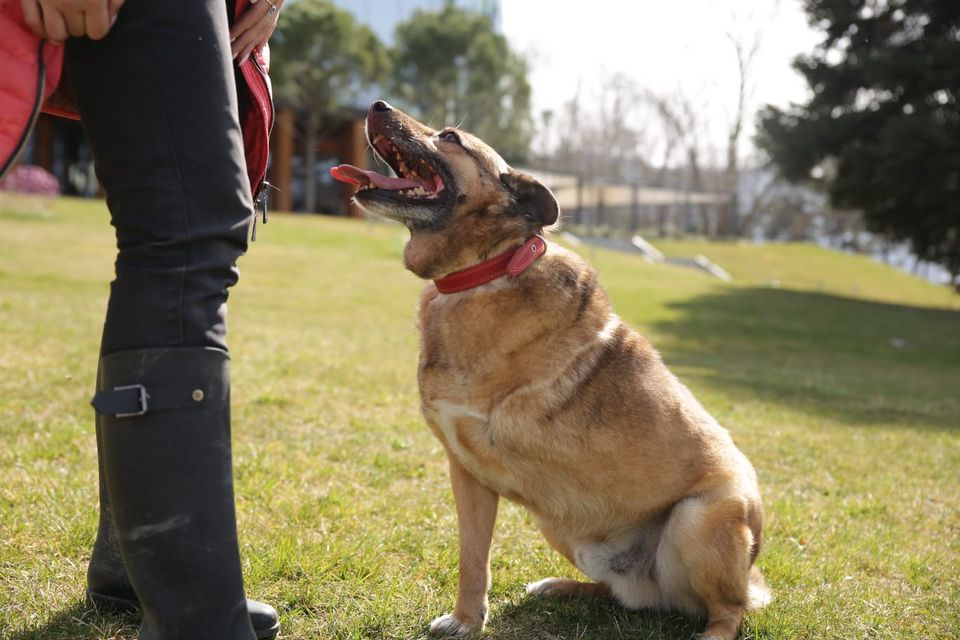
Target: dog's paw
<point x="548" y="587"/>
<point x="450" y="626"/>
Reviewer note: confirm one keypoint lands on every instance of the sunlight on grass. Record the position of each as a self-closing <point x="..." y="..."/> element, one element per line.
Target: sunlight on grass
<point x="847" y="405"/>
<point x="807" y="267"/>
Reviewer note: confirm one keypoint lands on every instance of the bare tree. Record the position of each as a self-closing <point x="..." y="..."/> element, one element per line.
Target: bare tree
<point x="621" y="140"/>
<point x="745" y="36"/>
<point x="683" y="128"/>
<point x="745" y="48"/>
<point x="568" y="153"/>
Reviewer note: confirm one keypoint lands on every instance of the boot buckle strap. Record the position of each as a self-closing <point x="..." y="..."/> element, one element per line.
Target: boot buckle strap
<point x="140" y="400"/>
<point x="126" y="401"/>
<point x="131" y="400"/>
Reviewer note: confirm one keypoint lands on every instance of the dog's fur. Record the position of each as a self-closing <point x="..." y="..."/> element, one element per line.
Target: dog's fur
<point x="541" y="394"/>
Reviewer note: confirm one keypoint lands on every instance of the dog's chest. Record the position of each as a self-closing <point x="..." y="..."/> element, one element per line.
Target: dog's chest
<point x="469" y="366"/>
<point x="471" y="435"/>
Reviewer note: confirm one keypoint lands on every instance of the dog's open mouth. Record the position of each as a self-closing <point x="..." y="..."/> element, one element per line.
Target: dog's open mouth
<point x="416" y="178"/>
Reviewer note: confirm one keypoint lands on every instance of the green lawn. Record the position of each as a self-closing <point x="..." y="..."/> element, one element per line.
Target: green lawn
<point x="842" y="385"/>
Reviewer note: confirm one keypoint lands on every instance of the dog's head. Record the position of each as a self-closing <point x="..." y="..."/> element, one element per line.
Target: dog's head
<point x="460" y="200"/>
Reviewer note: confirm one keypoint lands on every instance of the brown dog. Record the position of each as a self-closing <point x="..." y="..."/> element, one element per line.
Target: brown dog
<point x="541" y="394"/>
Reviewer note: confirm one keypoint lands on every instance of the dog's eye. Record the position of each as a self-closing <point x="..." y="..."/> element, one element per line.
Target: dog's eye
<point x="450" y="136"/>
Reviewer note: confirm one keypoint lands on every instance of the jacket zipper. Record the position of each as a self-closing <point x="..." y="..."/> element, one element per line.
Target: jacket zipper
<point x="263" y="98"/>
<point x="263" y="74"/>
<point x="34" y="114"/>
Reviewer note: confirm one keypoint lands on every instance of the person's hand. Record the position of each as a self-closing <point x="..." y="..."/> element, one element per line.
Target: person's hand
<point x="254" y="28"/>
<point x="54" y="20"/>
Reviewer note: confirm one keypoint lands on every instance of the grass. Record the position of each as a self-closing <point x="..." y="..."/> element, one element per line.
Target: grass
<point x="841" y="385"/>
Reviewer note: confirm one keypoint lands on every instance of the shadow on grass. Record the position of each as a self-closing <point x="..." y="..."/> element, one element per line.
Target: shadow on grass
<point x="81" y="622"/>
<point x="842" y="359"/>
<point x="572" y="618"/>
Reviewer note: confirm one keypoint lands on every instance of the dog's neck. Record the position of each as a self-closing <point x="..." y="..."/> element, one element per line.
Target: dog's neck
<point x="510" y="263"/>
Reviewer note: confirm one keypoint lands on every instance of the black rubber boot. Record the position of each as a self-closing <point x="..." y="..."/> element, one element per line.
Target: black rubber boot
<point x="164" y="445"/>
<point x="109" y="589"/>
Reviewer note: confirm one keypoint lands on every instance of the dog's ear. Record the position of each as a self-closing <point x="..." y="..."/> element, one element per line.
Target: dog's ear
<point x="532" y="198"/>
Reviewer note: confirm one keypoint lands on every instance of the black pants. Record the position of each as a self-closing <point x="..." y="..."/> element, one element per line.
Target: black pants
<point x="159" y="106"/>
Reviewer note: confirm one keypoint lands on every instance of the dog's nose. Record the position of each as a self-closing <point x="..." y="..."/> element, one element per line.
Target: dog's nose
<point x="380" y="105"/>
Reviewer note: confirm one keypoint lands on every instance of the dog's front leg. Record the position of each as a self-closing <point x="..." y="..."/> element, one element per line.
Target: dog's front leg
<point x="476" y="514"/>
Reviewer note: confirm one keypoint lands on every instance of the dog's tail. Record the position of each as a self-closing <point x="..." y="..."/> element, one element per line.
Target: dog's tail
<point x="758" y="594"/>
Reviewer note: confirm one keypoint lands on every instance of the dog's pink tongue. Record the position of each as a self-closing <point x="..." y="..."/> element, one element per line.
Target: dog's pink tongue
<point x="353" y="175"/>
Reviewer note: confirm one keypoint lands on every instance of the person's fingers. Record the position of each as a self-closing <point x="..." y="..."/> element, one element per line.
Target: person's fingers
<point x="253" y="38"/>
<point x="245" y="41"/>
<point x="269" y="26"/>
<point x="258" y="40"/>
<point x="263" y="34"/>
<point x="272" y="23"/>
<point x="254" y="28"/>
<point x="97" y="19"/>
<point x="33" y="17"/>
<point x="54" y="25"/>
<point x="273" y="16"/>
<point x="74" y="19"/>
<point x="249" y="19"/>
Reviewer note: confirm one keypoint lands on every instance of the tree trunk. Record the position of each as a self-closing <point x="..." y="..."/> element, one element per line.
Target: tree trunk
<point x="310" y="164"/>
<point x="746" y="54"/>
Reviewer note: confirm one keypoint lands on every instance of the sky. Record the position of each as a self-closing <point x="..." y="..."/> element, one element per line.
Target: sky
<point x="666" y="46"/>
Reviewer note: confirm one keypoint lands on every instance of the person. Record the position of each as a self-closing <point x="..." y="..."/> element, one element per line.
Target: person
<point x="156" y="91"/>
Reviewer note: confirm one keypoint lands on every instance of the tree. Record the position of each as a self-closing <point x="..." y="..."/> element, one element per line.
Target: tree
<point x="745" y="48"/>
<point x="881" y="131"/>
<point x="452" y="66"/>
<point x="606" y="141"/>
<point x="683" y="126"/>
<point x="323" y="62"/>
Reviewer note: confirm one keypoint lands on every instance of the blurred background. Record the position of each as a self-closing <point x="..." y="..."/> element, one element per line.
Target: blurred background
<point x="834" y="122"/>
<point x="746" y="175"/>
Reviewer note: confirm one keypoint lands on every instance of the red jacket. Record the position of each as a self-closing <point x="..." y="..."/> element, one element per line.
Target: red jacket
<point x="31" y="76"/>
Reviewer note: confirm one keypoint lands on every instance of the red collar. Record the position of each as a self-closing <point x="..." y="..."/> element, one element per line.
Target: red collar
<point x="511" y="263"/>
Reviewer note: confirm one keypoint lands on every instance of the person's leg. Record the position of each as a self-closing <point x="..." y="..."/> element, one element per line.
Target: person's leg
<point x="158" y="103"/>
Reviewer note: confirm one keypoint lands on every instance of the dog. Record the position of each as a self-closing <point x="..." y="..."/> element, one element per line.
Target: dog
<point x="541" y="394"/>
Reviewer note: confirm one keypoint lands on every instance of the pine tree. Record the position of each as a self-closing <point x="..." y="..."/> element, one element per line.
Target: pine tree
<point x="881" y="130"/>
